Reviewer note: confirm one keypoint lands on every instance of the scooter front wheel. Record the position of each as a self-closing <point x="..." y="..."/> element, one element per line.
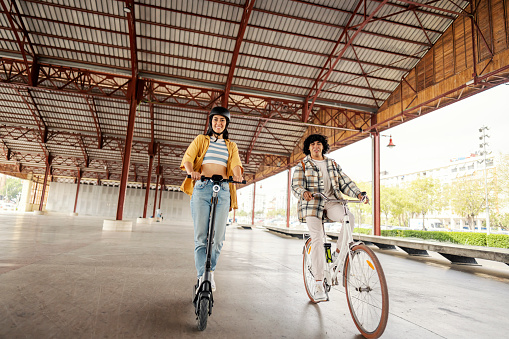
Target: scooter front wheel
<point x="203" y="313"/>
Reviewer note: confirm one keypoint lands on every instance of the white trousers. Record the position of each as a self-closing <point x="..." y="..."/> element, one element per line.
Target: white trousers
<point x="335" y="212"/>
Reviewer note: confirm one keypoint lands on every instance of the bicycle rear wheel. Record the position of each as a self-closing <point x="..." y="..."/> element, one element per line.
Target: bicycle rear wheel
<point x="309" y="279"/>
<point x="366" y="290"/>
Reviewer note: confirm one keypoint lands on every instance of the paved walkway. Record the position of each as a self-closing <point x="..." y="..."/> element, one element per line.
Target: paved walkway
<point x="63" y="277"/>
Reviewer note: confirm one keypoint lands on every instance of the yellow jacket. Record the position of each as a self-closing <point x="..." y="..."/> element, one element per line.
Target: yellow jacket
<point x="195" y="154"/>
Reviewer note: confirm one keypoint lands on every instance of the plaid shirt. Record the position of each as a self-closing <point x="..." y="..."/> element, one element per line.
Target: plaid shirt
<point x="310" y="179"/>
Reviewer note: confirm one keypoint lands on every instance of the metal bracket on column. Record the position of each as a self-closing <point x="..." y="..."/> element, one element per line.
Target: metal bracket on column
<point x="460" y="260"/>
<point x="384" y="246"/>
<point x="414" y="251"/>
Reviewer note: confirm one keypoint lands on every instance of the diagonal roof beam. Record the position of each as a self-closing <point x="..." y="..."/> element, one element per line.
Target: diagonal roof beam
<point x="420" y="23"/>
<point x="364" y="74"/>
<point x="36" y="114"/>
<point x="427" y="5"/>
<point x="6" y="150"/>
<point x="83" y="150"/>
<point x="95" y="116"/>
<point x="324" y="75"/>
<point x="25" y="45"/>
<point x="248" y="8"/>
<point x="129" y="4"/>
<point x="261" y="125"/>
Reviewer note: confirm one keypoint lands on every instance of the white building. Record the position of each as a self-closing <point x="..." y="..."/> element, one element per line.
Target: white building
<point x="469" y="166"/>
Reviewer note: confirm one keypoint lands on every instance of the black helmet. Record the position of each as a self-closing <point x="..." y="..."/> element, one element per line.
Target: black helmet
<point x="218" y="110"/>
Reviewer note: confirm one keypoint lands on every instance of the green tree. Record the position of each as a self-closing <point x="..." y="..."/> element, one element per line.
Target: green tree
<point x="400" y="205"/>
<point x="502" y="175"/>
<point x="467" y="198"/>
<point x="363" y="213"/>
<point x="13" y="187"/>
<point x="274" y="213"/>
<point x="499" y="220"/>
<point x="387" y="201"/>
<point x="241" y="213"/>
<point x="425" y="196"/>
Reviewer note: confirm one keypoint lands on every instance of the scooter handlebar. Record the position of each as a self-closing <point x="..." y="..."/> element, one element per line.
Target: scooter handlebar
<point x="219" y="178"/>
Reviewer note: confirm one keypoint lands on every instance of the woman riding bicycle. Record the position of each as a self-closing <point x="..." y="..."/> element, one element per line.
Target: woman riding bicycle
<point x="320" y="174"/>
<point x="209" y="154"/>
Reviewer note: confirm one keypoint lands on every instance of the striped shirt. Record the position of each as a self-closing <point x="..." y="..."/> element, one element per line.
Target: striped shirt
<point x="217" y="153"/>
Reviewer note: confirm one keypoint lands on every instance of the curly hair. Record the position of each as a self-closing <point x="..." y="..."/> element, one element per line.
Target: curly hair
<point x="312" y="138"/>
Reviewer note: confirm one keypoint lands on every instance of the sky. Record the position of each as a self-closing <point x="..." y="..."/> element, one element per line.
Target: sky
<point x="429" y="141"/>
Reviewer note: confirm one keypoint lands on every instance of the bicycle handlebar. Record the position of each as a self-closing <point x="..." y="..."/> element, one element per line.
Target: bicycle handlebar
<point x="219" y="178"/>
<point x="344" y="201"/>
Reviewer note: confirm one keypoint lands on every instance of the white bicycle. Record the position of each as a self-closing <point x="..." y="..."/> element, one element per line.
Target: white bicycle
<point x="361" y="274"/>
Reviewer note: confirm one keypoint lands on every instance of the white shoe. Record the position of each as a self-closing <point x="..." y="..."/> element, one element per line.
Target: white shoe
<point x="198" y="284"/>
<point x="212" y="282"/>
<point x="319" y="294"/>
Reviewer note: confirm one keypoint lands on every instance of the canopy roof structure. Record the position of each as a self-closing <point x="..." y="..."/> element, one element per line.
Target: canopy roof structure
<point x="70" y="71"/>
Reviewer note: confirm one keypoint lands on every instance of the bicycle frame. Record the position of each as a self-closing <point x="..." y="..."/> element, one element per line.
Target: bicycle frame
<point x="333" y="269"/>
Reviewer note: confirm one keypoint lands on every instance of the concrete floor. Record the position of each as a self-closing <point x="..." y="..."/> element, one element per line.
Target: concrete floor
<point x="63" y="277"/>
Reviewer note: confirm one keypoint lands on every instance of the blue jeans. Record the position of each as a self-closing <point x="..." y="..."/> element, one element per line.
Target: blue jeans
<point x="200" y="210"/>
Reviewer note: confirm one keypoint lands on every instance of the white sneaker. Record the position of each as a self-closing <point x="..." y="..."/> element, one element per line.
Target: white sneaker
<point x="212" y="282"/>
<point x="319" y="294"/>
<point x="198" y="284"/>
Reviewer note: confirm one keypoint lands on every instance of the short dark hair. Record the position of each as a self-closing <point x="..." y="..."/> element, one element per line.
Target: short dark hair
<point x="311" y="139"/>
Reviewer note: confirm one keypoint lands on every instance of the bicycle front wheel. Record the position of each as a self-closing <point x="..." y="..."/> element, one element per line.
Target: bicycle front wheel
<point x="309" y="279"/>
<point x="366" y="291"/>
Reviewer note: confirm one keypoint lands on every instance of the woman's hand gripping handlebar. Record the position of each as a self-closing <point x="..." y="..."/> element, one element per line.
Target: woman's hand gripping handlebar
<point x="363" y="198"/>
<point x="219" y="179"/>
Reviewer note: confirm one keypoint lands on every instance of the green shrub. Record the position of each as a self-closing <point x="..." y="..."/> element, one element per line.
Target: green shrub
<point x="498" y="240"/>
<point x="462" y="238"/>
<point x="362" y="231"/>
<point x="475" y="239"/>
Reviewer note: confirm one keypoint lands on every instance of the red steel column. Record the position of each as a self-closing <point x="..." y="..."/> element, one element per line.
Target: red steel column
<point x="77" y="191"/>
<point x="376" y="183"/>
<point x="149" y="177"/>
<point x="35" y="193"/>
<point x="158" y="173"/>
<point x="134" y="98"/>
<point x="161" y="192"/>
<point x="46" y="173"/>
<point x="474" y="54"/>
<point x="155" y="195"/>
<point x="288" y="198"/>
<point x="254" y="196"/>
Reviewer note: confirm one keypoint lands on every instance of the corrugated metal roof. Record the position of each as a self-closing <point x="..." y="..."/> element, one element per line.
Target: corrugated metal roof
<point x="185" y="51"/>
